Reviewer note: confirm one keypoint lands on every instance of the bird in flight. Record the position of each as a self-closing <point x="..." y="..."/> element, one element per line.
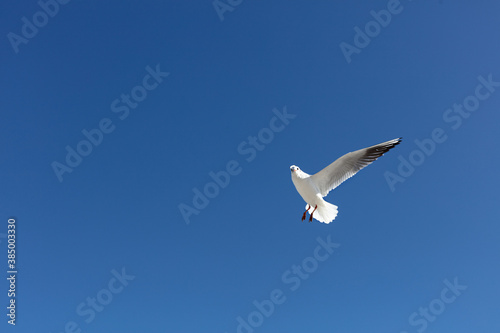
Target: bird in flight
<point x="312" y="188"/>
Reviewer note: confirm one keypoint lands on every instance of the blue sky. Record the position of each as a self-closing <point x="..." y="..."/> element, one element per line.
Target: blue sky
<point x="105" y="247"/>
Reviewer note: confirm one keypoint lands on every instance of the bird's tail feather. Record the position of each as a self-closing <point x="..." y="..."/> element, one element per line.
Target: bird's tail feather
<point x="326" y="212"/>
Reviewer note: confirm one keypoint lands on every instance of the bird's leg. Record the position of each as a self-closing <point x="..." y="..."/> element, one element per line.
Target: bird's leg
<point x="311" y="217"/>
<point x="304" y="215"/>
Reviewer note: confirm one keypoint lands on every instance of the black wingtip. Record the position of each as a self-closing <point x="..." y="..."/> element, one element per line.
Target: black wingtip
<point x="396" y="142"/>
<point x="382" y="148"/>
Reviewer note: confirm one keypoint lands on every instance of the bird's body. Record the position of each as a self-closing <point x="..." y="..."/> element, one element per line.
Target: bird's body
<point x="312" y="188"/>
<point x="309" y="191"/>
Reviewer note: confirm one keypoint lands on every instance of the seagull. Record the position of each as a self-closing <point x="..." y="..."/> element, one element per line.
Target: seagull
<point x="313" y="188"/>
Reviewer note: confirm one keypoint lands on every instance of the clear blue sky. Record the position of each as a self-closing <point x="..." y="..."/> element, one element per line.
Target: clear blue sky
<point x="94" y="65"/>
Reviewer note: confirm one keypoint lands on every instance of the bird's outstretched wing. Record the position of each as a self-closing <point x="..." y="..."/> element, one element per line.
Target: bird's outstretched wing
<point x="348" y="165"/>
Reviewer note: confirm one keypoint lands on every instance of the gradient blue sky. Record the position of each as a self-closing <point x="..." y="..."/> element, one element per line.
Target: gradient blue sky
<point x="118" y="209"/>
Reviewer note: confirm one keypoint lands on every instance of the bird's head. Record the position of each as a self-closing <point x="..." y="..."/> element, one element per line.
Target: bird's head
<point x="297" y="173"/>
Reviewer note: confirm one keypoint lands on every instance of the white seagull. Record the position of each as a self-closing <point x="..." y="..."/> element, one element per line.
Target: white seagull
<point x="313" y="188"/>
